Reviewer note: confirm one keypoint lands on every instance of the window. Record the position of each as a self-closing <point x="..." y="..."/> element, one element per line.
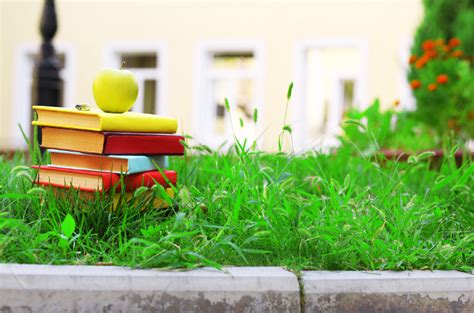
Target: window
<point x="332" y="79"/>
<point x="146" y="62"/>
<point x="347" y="94"/>
<point x="233" y="73"/>
<point x="25" y="93"/>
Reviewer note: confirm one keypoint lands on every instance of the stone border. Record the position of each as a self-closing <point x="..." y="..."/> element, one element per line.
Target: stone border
<point x="414" y="291"/>
<point x="47" y="288"/>
<point x="43" y="288"/>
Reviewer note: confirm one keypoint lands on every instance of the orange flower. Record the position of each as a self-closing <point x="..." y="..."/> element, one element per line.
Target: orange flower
<point x="432" y="87"/>
<point x="429" y="45"/>
<point x="415" y="84"/>
<point x="430" y="53"/>
<point x="452" y="124"/>
<point x="454" y="42"/>
<point x="446" y="48"/>
<point x="457" y="54"/>
<point x="442" y="79"/>
<point x="439" y="42"/>
<point x="422" y="61"/>
<point x="412" y="59"/>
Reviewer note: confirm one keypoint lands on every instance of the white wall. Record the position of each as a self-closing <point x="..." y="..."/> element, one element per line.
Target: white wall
<point x="90" y="27"/>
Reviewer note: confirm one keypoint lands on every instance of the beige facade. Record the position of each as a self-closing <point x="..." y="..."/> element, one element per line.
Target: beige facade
<point x="369" y="39"/>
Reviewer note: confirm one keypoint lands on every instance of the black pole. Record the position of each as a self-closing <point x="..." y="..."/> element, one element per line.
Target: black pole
<point x="48" y="82"/>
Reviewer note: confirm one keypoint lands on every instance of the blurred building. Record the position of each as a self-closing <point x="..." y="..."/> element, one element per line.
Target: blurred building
<point x="189" y="55"/>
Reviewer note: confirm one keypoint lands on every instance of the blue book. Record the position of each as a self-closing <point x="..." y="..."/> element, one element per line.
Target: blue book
<point x="126" y="164"/>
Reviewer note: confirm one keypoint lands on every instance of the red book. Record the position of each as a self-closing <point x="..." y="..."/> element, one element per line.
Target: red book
<point x="101" y="181"/>
<point x="111" y="142"/>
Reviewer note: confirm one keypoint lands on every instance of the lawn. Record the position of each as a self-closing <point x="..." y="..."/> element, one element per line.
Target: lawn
<point x="339" y="211"/>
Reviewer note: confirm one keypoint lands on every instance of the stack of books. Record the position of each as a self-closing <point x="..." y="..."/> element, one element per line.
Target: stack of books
<point x="93" y="151"/>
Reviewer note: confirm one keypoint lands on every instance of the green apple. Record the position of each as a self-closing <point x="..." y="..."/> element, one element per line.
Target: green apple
<point x="115" y="90"/>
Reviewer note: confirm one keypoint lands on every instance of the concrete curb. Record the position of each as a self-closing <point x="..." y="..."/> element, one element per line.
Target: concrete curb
<point x="43" y="288"/>
<point x="415" y="291"/>
<point x="46" y="288"/>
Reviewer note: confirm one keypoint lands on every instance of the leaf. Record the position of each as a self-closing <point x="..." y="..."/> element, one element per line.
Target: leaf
<point x="227" y="106"/>
<point x="205" y="261"/>
<point x="140" y="191"/>
<point x="454" y="150"/>
<point x="15" y="196"/>
<point x="234" y="247"/>
<point x="184" y="195"/>
<point x="184" y="144"/>
<point x="356" y="123"/>
<point x="290" y="90"/>
<point x="236" y="209"/>
<point x="440" y="183"/>
<point x="375" y="105"/>
<point x="36" y="190"/>
<point x="255" y="115"/>
<point x="241" y="121"/>
<point x="20" y="168"/>
<point x="63" y="243"/>
<point x="425" y="155"/>
<point x="179" y="219"/>
<point x="68" y="226"/>
<point x="256" y="251"/>
<point x="412" y="159"/>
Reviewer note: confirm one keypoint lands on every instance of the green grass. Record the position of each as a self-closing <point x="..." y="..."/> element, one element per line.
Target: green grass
<point x="313" y="211"/>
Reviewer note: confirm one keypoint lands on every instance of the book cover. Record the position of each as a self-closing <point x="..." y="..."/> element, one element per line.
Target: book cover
<point x="115" y="143"/>
<point x="95" y="120"/>
<point x="87" y="180"/>
<point x="126" y="164"/>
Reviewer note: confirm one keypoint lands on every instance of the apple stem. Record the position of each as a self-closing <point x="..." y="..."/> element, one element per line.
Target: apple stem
<point x="121" y="65"/>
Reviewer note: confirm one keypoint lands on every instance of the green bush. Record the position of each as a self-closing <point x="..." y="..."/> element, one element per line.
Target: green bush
<point x="443" y="85"/>
<point x="441" y="67"/>
<point x="371" y="130"/>
<point x="445" y="19"/>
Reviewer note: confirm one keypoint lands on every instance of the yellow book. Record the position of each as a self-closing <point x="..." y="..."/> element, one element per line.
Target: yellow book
<point x="101" y="121"/>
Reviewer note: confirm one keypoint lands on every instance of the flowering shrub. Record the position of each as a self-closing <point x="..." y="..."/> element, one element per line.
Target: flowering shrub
<point x="443" y="85"/>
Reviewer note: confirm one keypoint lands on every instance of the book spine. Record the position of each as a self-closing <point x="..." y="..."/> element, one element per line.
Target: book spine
<point x="110" y="180"/>
<point x="148" y="179"/>
<point x="148" y="145"/>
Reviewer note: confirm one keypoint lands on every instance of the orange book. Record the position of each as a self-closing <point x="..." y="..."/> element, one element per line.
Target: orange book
<point x="99" y="181"/>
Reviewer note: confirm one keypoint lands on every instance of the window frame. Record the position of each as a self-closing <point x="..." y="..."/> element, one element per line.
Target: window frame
<point x="204" y="112"/>
<point x="112" y="58"/>
<point x="22" y="79"/>
<point x="302" y="140"/>
<point x="407" y="99"/>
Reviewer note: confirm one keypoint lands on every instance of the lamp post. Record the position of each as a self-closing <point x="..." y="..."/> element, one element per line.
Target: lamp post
<point x="47" y="67"/>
